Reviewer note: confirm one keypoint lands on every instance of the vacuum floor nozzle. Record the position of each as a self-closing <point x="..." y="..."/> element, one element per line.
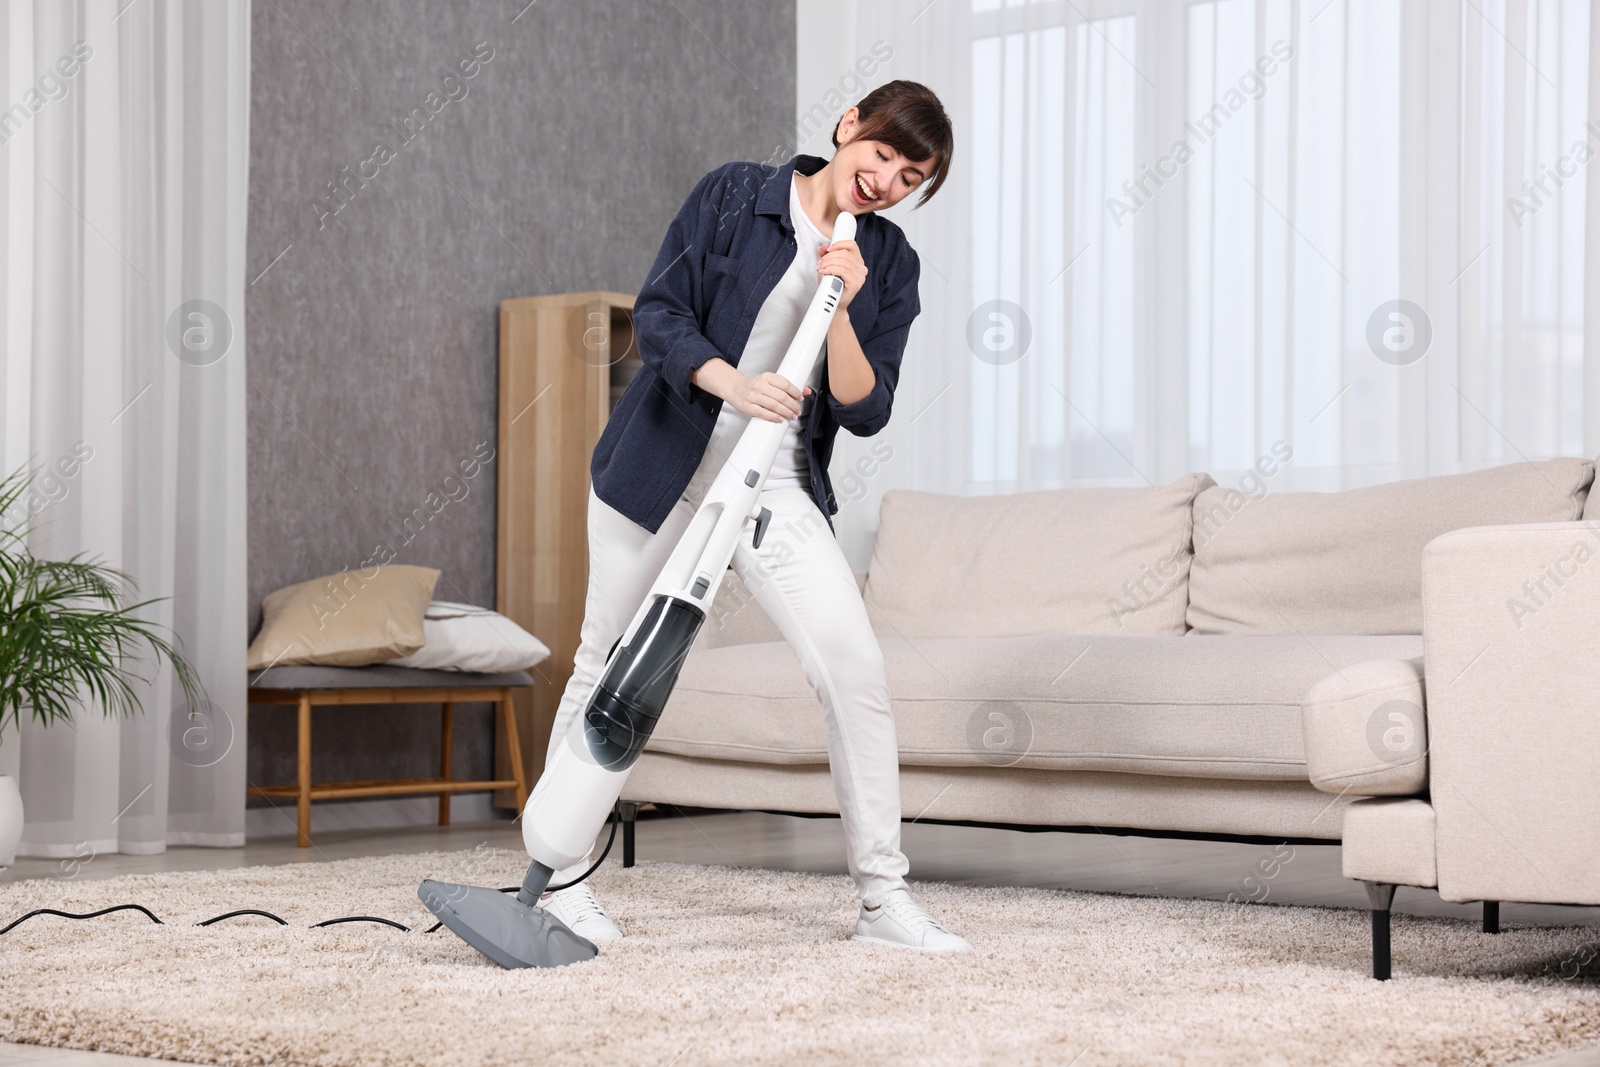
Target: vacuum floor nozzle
<point x="500" y="926"/>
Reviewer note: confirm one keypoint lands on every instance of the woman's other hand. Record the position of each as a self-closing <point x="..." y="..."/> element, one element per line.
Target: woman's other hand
<point x="842" y="259"/>
<point x="768" y="396"/>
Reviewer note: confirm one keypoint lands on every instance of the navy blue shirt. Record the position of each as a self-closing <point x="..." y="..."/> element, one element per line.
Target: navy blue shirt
<point x="723" y="254"/>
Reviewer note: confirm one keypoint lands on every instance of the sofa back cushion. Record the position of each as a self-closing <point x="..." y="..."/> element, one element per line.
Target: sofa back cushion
<point x="1055" y="561"/>
<point x="1351" y="562"/>
<point x="1591" y="506"/>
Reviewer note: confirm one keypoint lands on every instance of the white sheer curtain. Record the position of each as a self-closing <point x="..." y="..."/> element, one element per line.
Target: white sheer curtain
<point x="1199" y="215"/>
<point x="1526" y="114"/>
<point x="123" y="156"/>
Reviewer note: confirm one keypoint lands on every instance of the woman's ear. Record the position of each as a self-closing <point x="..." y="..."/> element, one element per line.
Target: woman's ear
<point x="846" y="127"/>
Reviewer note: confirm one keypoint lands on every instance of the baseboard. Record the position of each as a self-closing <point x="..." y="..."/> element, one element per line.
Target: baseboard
<point x="379" y="813"/>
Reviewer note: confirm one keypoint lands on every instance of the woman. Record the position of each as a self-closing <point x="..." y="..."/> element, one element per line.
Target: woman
<point x="729" y="287"/>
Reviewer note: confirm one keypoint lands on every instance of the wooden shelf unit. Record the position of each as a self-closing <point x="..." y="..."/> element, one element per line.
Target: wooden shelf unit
<point x="564" y="361"/>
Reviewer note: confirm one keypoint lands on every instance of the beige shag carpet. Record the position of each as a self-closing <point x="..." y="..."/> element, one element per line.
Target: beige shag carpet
<point x="741" y="966"/>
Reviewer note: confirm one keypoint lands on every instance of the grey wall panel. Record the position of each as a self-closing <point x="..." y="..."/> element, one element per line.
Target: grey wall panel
<point x="372" y="318"/>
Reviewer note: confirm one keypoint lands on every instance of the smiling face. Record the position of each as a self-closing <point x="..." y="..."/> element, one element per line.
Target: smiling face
<point x="870" y="175"/>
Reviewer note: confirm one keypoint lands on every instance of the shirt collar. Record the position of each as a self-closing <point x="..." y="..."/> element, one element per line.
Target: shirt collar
<point x="773" y="199"/>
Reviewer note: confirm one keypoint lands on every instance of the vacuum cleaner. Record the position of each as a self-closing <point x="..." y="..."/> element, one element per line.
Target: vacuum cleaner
<point x="583" y="781"/>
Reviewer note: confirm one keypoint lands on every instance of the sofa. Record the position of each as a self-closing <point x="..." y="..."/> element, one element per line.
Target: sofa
<point x="1139" y="660"/>
<point x="1476" y="776"/>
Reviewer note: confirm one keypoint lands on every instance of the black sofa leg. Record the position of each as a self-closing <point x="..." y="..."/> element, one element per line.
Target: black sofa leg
<point x="1380" y="895"/>
<point x="630" y="814"/>
<point x="1491" y="916"/>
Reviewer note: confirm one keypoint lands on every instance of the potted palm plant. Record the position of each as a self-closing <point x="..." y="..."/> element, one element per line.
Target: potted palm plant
<point x="70" y="636"/>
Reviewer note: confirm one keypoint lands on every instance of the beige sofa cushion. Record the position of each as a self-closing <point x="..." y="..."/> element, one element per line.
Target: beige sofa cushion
<point x="349" y="619"/>
<point x="1591" y="505"/>
<point x="1188" y="706"/>
<point x="1365" y="731"/>
<point x="1057" y="561"/>
<point x="1351" y="562"/>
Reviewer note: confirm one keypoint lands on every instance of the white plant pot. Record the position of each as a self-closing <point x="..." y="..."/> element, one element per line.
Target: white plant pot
<point x="10" y="819"/>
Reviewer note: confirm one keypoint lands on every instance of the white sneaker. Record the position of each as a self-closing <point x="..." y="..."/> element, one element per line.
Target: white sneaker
<point x="582" y="913"/>
<point x="899" y="922"/>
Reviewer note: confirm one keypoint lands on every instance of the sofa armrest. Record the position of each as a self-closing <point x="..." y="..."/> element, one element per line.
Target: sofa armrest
<point x="1511" y="638"/>
<point x="1365" y="731"/>
<point x="737" y="619"/>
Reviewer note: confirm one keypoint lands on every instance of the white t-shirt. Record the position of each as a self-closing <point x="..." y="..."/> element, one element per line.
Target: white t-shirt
<point x="770" y="337"/>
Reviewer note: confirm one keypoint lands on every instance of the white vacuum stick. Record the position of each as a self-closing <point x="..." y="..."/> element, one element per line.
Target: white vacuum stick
<point x="574" y="796"/>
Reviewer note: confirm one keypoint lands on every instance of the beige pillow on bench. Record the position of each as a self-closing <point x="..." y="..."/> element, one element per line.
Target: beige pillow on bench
<point x="349" y="619"/>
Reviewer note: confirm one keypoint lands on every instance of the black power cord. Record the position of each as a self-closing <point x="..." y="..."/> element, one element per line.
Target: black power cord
<point x="613" y="819"/>
<point x="89" y="915"/>
<point x="219" y="918"/>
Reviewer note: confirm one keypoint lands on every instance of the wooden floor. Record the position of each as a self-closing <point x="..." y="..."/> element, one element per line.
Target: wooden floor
<point x="1309" y="874"/>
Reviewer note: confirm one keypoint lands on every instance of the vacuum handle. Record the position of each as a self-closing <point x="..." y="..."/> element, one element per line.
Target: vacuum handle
<point x="844" y="227"/>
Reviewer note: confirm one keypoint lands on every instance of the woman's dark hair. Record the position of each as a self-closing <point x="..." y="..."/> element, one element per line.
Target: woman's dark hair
<point x="906" y="116"/>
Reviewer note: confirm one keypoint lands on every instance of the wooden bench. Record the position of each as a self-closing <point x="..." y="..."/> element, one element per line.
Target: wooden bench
<point x="309" y="687"/>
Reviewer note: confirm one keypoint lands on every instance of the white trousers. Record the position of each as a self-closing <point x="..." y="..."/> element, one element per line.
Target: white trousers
<point x="801" y="578"/>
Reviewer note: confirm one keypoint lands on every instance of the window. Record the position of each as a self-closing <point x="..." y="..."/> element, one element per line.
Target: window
<point x="1206" y="261"/>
